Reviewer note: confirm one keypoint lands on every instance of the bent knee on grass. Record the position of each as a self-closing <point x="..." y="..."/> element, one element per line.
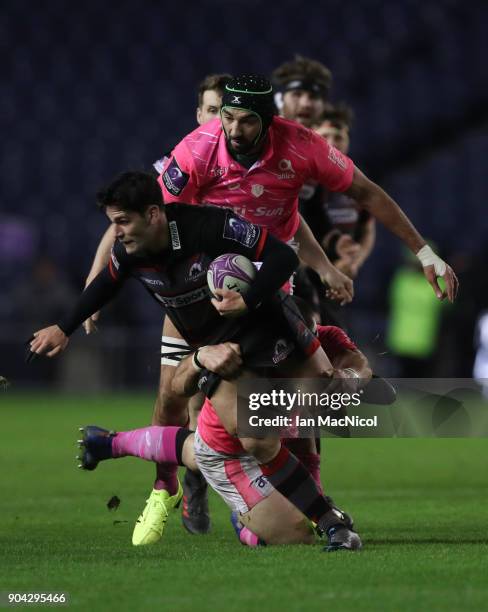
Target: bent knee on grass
<point x="276" y="521"/>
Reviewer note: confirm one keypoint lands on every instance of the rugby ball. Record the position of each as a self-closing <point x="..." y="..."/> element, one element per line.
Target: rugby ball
<point x="231" y="271"/>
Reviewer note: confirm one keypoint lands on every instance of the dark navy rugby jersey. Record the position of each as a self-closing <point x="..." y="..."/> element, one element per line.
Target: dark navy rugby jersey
<point x="177" y="277"/>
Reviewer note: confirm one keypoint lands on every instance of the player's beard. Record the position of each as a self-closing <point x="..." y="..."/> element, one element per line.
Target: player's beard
<point x="250" y="148"/>
<point x="244" y="147"/>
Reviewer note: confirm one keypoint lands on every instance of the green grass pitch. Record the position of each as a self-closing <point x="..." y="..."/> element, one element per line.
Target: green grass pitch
<point x="421" y="507"/>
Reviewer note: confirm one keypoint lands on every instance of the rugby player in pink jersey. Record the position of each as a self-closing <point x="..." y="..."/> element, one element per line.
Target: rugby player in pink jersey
<point x="255" y="163"/>
<point x="261" y="514"/>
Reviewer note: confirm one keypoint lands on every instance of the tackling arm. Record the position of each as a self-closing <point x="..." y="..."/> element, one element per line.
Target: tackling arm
<point x="223" y="359"/>
<point x="352" y="364"/>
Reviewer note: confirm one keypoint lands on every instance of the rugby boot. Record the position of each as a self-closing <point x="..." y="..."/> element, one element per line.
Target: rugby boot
<point x="236" y="524"/>
<point x="96" y="445"/>
<point x="149" y="526"/>
<point x="195" y="516"/>
<point x="349" y="522"/>
<point x="334" y="525"/>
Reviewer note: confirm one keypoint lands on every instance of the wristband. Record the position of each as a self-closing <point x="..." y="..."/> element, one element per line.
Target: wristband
<point x="427" y="257"/>
<point x="195" y="361"/>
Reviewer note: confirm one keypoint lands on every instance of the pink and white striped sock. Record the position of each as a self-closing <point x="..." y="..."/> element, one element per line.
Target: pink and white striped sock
<point x="155" y="443"/>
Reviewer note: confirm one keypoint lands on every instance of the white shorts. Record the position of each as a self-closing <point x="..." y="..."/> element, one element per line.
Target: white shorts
<point x="173" y="350"/>
<point x="236" y="478"/>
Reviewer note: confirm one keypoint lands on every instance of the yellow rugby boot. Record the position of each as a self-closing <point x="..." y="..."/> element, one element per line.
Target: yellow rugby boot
<point x="150" y="525"/>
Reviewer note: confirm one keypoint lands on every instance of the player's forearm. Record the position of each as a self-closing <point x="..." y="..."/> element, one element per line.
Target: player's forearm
<point x="185" y="380"/>
<point x="355" y="361"/>
<point x="309" y="250"/>
<point x="102" y="255"/>
<point x="376" y="201"/>
<point x="100" y="291"/>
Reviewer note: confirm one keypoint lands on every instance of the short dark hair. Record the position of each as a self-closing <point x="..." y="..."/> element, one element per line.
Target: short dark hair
<point x="131" y="191"/>
<point x="213" y="82"/>
<point x="303" y="68"/>
<point x="341" y="115"/>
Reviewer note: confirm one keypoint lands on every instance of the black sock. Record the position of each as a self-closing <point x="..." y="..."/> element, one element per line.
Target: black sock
<point x="181" y="436"/>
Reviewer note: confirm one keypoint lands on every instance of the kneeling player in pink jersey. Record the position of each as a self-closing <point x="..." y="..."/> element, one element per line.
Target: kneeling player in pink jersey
<point x="251" y="490"/>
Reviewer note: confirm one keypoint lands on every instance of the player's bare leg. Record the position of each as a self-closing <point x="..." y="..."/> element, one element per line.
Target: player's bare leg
<point x="172" y="409"/>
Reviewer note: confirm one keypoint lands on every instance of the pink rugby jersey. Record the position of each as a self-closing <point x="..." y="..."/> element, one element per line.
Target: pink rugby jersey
<point x="202" y="171"/>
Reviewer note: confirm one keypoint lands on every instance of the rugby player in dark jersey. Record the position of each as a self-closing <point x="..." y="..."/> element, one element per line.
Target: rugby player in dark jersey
<point x="303" y="87"/>
<point x="168" y="249"/>
<point x="346" y="231"/>
<point x="195" y="514"/>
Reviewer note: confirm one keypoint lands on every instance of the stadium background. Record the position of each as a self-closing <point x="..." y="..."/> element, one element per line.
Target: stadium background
<point x="95" y="90"/>
<point x="92" y="88"/>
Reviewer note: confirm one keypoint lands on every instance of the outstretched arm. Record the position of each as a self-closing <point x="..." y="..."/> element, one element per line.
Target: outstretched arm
<point x="370" y="196"/>
<point x="52" y="340"/>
